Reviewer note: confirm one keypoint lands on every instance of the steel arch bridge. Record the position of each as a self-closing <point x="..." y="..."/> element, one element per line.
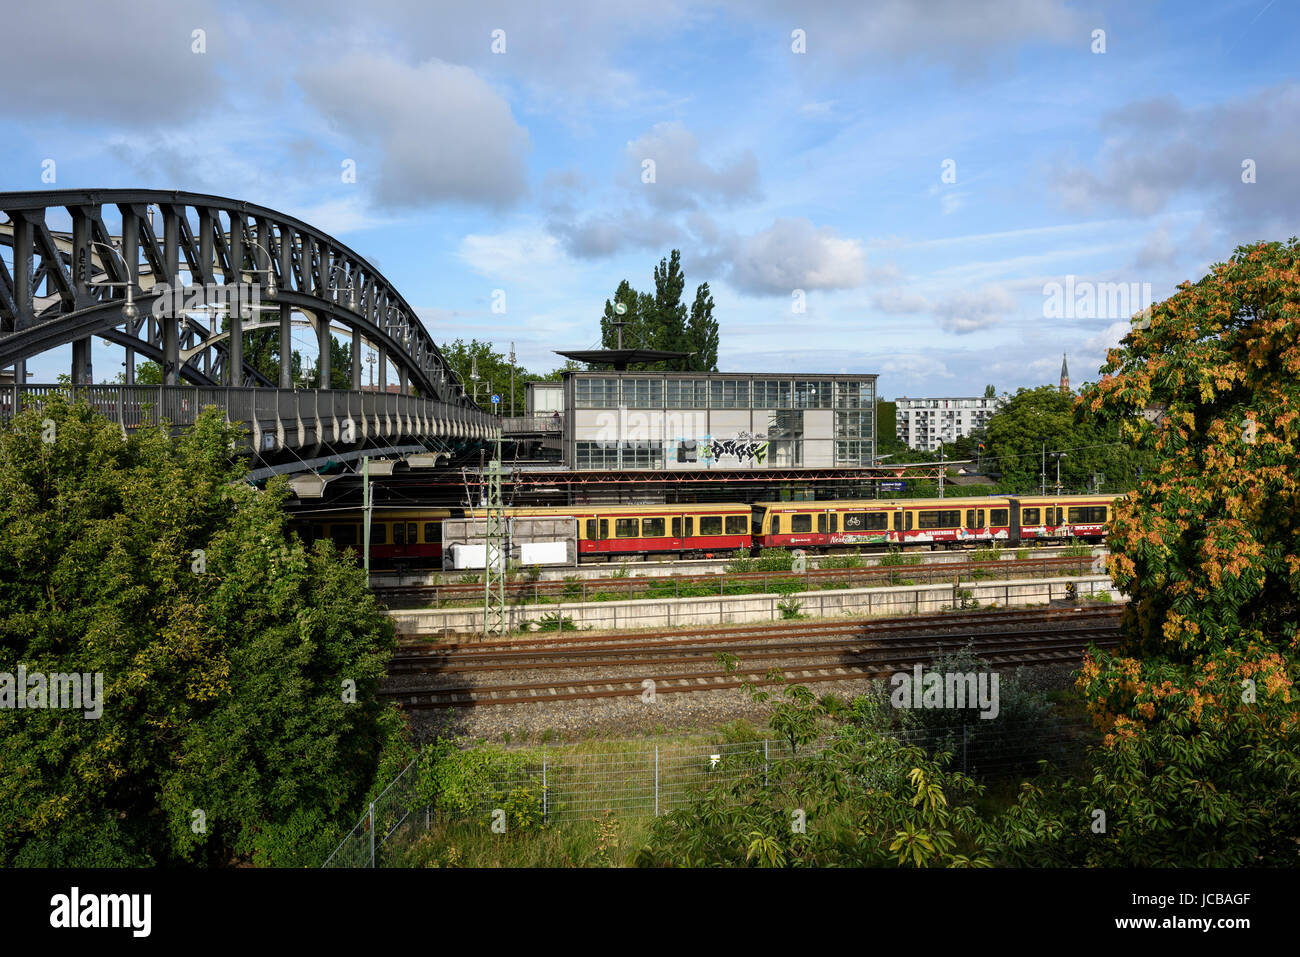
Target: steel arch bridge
<point x="180" y="277"/>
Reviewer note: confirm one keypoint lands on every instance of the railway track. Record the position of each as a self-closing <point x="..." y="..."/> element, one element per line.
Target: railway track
<point x="671" y="586"/>
<point x="804" y="653"/>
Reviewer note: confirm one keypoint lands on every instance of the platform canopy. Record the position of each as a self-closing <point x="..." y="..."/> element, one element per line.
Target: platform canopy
<point x="621" y="358"/>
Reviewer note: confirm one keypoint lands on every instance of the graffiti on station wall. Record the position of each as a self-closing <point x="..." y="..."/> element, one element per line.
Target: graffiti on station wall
<point x="745" y="447"/>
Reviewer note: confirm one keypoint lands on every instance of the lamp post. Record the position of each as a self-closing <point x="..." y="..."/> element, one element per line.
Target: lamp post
<point x="130" y="312"/>
<point x="1042" y="475"/>
<point x="1058" y="456"/>
<point x="271" y="289"/>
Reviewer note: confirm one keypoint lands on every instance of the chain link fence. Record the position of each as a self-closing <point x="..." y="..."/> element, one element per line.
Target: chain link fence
<point x="569" y="786"/>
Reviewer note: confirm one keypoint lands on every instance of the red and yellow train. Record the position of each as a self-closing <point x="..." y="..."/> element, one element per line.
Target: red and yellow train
<point x="413" y="537"/>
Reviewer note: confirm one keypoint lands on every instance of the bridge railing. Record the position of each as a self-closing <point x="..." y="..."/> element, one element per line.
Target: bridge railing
<point x="531" y="423"/>
<point x="264" y="410"/>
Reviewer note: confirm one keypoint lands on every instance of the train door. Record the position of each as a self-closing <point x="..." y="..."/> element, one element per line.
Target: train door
<point x="603" y="543"/>
<point x="898" y="527"/>
<point x="406" y="541"/>
<point x="1013" y="535"/>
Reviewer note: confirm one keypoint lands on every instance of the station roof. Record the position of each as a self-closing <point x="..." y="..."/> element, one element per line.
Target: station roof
<point x="620" y="358"/>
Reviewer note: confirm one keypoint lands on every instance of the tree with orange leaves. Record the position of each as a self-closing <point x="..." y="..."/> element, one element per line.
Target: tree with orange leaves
<point x="1201" y="757"/>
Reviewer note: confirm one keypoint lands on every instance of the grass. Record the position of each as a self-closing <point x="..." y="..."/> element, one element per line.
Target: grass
<point x="603" y="841"/>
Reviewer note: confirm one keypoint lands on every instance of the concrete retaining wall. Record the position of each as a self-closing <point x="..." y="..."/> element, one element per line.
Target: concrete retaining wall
<point x="704" y="566"/>
<point x="741" y="609"/>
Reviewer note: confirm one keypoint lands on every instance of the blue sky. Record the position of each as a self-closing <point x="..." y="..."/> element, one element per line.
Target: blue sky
<point x="775" y="170"/>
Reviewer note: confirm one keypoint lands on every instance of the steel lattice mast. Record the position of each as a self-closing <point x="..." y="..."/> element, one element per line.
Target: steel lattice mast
<point x="494" y="551"/>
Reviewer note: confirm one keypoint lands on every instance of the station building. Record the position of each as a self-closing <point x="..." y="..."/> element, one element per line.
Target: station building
<point x="691" y="421"/>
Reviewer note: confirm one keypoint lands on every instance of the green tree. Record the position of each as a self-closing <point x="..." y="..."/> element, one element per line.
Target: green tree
<point x="1043" y="419"/>
<point x="702" y="333"/>
<point x="661" y="320"/>
<point x="227" y="652"/>
<point x="990" y="392"/>
<point x="1201" y="760"/>
<point x="669" y="311"/>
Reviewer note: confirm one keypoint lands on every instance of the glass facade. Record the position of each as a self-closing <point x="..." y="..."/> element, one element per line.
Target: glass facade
<point x="643" y="393"/>
<point x="843" y="426"/>
<point x="595" y="393"/>
<point x="729" y="393"/>
<point x="687" y="393"/>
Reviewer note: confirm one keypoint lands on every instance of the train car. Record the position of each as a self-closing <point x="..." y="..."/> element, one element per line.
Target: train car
<point x="834" y="525"/>
<point x="618" y="531"/>
<point x="408" y="537"/>
<point x="1040" y="517"/>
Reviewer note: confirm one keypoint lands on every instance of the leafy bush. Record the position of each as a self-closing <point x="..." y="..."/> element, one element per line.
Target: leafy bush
<point x="790" y="608"/>
<point x="554" y="621"/>
<point x="896" y="556"/>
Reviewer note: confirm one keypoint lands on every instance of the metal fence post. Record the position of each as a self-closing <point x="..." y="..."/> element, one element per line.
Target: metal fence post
<point x="545" y="807"/>
<point x="372" y="833"/>
<point x="656" y="780"/>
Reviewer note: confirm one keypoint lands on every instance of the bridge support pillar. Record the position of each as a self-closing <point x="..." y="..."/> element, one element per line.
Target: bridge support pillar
<point x="356" y="360"/>
<point x="235" y="347"/>
<point x="323" y="343"/>
<point x="401" y="377"/>
<point x="383" y="371"/>
<point x="83" y="372"/>
<point x="286" y="347"/>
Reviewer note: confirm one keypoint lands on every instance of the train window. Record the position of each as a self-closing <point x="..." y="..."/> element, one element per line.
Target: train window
<point x="737" y="524"/>
<point x="690" y="526"/>
<point x="801" y="523"/>
<point x="909" y="521"/>
<point x="868" y="521"/>
<point x="835" y="523"/>
<point x="776" y="525"/>
<point x="604" y="528"/>
<point x="626" y="527"/>
<point x="999" y="516"/>
<point x="939" y="519"/>
<point x="399" y="533"/>
<point x="591" y="529"/>
<point x="821" y="523"/>
<point x="1060" y="516"/>
<point x="430" y="532"/>
<point x="1088" y="514"/>
<point x="710" y="524"/>
<point x="979" y="518"/>
<point x="652" y="528"/>
<point x="379" y="534"/>
<point x="1029" y="516"/>
<point x="677" y="528"/>
<point x="412" y="533"/>
<point x="970" y="518"/>
<point x="343" y="534"/>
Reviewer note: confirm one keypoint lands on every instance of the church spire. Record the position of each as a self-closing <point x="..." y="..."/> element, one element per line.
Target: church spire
<point x="1065" y="375"/>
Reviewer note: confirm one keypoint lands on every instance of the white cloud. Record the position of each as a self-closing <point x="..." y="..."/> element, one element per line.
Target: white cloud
<point x="442" y="133"/>
<point x="510" y="255"/>
<point x="793" y="254"/>
<point x="681" y="177"/>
